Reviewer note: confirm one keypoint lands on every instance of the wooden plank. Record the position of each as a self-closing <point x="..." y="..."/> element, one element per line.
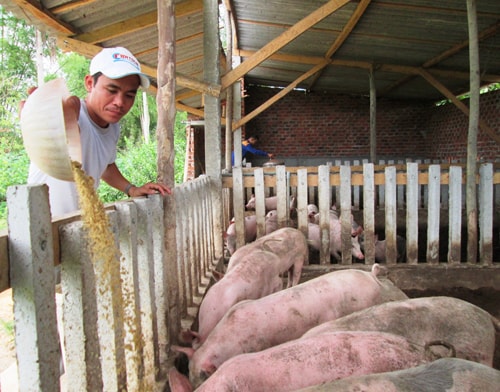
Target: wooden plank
<point x="356" y="190"/>
<point x="302" y="201"/>
<point x="486" y="210"/>
<point x="282" y="194"/>
<point x="390" y="215"/>
<point x="324" y="215"/>
<point x="455" y="215"/>
<point x="433" y="214"/>
<point x="345" y="214"/>
<point x="369" y="213"/>
<point x="279" y="42"/>
<point x="239" y="206"/>
<point x="260" y="207"/>
<point x="412" y="199"/>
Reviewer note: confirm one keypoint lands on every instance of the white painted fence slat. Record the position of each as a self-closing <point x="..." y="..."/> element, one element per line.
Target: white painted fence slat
<point x="412" y="206"/>
<point x="345" y="214"/>
<point x="32" y="277"/>
<point x="324" y="204"/>
<point x="260" y="207"/>
<point x="110" y="318"/>
<point x="146" y="290"/>
<point x="390" y="214"/>
<point x="455" y="214"/>
<point x="83" y="365"/>
<point x="282" y="194"/>
<point x="486" y="210"/>
<point x="239" y="206"/>
<point x="302" y="201"/>
<point x="433" y="214"/>
<point x="127" y="223"/>
<point x="369" y="212"/>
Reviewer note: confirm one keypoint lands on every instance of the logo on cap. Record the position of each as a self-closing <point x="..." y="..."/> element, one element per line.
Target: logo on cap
<point x="128" y="59"/>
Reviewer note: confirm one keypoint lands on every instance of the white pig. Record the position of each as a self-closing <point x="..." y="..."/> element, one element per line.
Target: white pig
<point x="255" y="325"/>
<point x="445" y="374"/>
<point x="253" y="271"/>
<point x="318" y="359"/>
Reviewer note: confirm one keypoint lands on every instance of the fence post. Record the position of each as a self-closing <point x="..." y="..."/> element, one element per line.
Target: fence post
<point x="433" y="214"/>
<point x="33" y="288"/>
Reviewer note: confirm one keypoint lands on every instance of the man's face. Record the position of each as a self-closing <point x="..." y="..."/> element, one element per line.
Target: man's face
<point x="252" y="141"/>
<point x="109" y="100"/>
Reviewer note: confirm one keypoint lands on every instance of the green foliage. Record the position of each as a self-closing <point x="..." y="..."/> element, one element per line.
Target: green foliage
<point x="14" y="168"/>
<point x="17" y="68"/>
<point x="137" y="162"/>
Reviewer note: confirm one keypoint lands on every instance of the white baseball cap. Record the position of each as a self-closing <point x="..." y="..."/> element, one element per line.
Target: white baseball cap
<point x="116" y="63"/>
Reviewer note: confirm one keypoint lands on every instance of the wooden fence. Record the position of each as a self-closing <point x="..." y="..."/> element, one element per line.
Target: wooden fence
<point x="116" y="325"/>
<point x="114" y="333"/>
<point x="412" y="198"/>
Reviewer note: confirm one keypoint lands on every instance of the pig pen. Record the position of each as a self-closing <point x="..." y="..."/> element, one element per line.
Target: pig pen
<point x="397" y="199"/>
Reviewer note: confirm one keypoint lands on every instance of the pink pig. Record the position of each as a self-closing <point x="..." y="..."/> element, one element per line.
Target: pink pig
<point x="255" y="325"/>
<point x="445" y="374"/>
<point x="314" y="360"/>
<point x="253" y="271"/>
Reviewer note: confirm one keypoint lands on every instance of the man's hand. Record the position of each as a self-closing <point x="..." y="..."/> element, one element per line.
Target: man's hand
<point x="150" y="188"/>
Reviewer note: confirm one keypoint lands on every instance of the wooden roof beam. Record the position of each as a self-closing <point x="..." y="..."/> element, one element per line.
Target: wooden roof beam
<point x="459" y="104"/>
<point x="488" y="32"/>
<point x="407" y="70"/>
<point x="344" y="34"/>
<point x="137" y="23"/>
<point x="281" y="94"/>
<point x="44" y="16"/>
<point x="279" y="42"/>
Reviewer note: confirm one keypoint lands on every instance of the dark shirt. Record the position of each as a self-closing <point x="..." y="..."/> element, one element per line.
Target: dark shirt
<point x="246" y="148"/>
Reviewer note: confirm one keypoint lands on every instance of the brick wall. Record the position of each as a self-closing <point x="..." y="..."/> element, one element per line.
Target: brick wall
<point x="324" y="127"/>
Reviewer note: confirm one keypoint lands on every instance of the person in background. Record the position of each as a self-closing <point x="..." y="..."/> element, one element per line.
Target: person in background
<point x="248" y="146"/>
<point x="115" y="76"/>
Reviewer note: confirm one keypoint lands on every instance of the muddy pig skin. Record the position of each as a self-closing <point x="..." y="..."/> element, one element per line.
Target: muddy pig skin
<point x="310" y="361"/>
<point x="255" y="325"/>
<point x="253" y="272"/>
<point x="442" y="375"/>
<point x="467" y="329"/>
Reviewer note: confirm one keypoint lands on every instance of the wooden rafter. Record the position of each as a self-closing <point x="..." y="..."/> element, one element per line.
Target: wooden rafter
<point x="446" y="54"/>
<point x="317" y="68"/>
<point x="406" y="70"/>
<point x="282" y="40"/>
<point x="137" y="23"/>
<point x="459" y="104"/>
<point x="346" y="31"/>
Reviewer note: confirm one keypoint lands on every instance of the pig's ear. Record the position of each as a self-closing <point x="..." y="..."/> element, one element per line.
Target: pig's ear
<point x="189" y="351"/>
<point x="217" y="275"/>
<point x="178" y="382"/>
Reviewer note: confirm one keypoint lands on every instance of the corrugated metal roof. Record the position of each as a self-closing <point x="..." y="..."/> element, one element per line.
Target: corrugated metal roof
<point x="397" y="39"/>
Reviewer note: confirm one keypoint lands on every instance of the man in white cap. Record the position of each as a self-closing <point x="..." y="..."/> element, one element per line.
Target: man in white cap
<point x="115" y="76"/>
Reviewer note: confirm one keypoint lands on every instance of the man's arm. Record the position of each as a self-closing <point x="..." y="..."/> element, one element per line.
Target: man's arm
<point x="114" y="177"/>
